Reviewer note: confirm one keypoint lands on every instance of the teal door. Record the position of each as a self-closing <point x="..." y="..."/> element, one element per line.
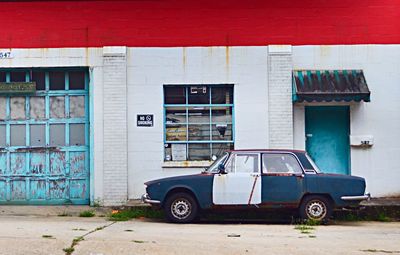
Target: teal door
<point x="327" y="137"/>
<point x="44" y="137"/>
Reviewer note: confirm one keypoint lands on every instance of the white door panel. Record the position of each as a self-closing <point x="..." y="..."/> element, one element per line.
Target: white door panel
<point x="237" y="189"/>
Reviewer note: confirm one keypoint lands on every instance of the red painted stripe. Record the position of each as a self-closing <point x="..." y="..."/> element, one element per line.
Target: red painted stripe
<point x="41" y="24"/>
<point x="252" y="190"/>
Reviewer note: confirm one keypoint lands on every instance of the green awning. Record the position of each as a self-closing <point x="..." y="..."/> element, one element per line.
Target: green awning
<point x="330" y="85"/>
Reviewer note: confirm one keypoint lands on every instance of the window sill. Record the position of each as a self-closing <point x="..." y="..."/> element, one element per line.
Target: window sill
<point x="187" y="164"/>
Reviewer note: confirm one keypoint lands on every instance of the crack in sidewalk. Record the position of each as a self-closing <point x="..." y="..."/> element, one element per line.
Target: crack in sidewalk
<point x="69" y="250"/>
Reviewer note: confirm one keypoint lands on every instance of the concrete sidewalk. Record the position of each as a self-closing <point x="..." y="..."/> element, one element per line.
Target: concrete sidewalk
<point x="390" y="206"/>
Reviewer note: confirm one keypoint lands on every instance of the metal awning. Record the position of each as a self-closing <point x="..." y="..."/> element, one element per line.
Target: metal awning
<point x="330" y="85"/>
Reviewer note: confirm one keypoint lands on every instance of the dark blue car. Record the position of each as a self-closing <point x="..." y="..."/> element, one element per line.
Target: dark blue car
<point x="257" y="179"/>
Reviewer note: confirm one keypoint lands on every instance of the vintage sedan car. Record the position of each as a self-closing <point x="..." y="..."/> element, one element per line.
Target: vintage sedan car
<point x="257" y="179"/>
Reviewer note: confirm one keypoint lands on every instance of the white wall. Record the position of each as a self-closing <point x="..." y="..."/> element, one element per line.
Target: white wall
<point x="150" y="68"/>
<point x="380" y="164"/>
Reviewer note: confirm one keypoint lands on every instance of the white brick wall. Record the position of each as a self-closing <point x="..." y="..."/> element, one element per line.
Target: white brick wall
<point x="280" y="98"/>
<point x="115" y="175"/>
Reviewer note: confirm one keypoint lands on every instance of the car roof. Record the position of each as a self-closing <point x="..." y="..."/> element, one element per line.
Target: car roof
<point x="268" y="150"/>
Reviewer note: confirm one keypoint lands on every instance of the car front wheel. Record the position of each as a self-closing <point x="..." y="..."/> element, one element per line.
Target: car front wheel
<point x="181" y="208"/>
<point x="316" y="208"/>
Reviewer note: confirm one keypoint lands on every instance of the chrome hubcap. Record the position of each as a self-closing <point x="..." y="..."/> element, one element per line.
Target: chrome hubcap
<point x="181" y="208"/>
<point x="316" y="210"/>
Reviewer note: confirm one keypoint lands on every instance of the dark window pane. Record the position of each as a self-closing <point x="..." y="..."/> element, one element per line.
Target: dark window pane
<point x="222" y="95"/>
<point x="18" y="135"/>
<point x="199" y="132"/>
<point x="221" y="115"/>
<point x="77" y="80"/>
<point x="199" y="115"/>
<point x="39" y="78"/>
<point x="57" y="135"/>
<point x="37" y="135"/>
<point x="221" y="132"/>
<point x="218" y="149"/>
<point x="57" y="80"/>
<point x="174" y="95"/>
<point x="175" y="115"/>
<point x="18" y="76"/>
<point x="76" y="134"/>
<point x="199" y="152"/>
<point x="2" y="76"/>
<point x="199" y="95"/>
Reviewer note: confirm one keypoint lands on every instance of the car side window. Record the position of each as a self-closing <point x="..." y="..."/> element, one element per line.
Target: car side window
<point x="243" y="163"/>
<point x="280" y="163"/>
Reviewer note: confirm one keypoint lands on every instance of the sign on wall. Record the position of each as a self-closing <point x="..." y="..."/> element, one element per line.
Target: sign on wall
<point x="17" y="87"/>
<point x="5" y="54"/>
<point x="145" y="120"/>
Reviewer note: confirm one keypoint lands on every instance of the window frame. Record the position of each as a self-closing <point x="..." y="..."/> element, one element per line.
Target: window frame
<point x="280" y="173"/>
<point x="186" y="106"/>
<point x="233" y="157"/>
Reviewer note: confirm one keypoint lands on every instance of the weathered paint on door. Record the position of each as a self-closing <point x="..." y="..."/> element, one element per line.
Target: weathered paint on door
<point x="242" y="184"/>
<point x="44" y="138"/>
<point x="327" y="137"/>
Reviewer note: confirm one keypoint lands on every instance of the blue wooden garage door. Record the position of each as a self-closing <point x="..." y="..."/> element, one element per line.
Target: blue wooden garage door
<point x="44" y="137"/>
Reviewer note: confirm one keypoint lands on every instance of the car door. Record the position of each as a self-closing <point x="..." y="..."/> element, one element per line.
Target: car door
<point x="241" y="185"/>
<point x="282" y="179"/>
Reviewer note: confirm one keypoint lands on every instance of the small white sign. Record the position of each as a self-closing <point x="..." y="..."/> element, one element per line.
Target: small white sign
<point x="178" y="152"/>
<point x="5" y="54"/>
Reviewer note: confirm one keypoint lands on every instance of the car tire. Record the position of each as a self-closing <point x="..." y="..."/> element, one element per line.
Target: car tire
<point x="316" y="208"/>
<point x="181" y="208"/>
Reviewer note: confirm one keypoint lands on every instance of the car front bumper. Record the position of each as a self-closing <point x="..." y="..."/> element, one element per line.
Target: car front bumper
<point x="147" y="199"/>
<point x="357" y="198"/>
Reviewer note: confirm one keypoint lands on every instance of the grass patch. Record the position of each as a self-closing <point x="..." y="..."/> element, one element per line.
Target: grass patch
<point x="87" y="214"/>
<point x="48" y="236"/>
<point x="304" y="229"/>
<point x="312" y="236"/>
<point x="64" y="214"/>
<point x="382" y="217"/>
<point x="128" y="214"/>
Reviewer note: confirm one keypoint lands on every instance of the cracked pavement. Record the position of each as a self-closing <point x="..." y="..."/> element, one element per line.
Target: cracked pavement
<point x="51" y="234"/>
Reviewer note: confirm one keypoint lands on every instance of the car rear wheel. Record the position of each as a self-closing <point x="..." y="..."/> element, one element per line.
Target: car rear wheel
<point x="181" y="208"/>
<point x="317" y="208"/>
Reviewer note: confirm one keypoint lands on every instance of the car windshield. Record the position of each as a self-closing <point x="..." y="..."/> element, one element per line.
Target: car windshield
<point x="313" y="164"/>
<point x="214" y="167"/>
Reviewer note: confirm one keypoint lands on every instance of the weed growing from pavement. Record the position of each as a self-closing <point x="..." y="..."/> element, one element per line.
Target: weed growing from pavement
<point x="87" y="214"/>
<point x="380" y="251"/>
<point x="307" y="227"/>
<point x="138" y="241"/>
<point x="76" y="240"/>
<point x="69" y="250"/>
<point x="48" y="236"/>
<point x="128" y="214"/>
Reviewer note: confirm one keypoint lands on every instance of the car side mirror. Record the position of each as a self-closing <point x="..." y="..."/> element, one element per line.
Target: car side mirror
<point x="221" y="169"/>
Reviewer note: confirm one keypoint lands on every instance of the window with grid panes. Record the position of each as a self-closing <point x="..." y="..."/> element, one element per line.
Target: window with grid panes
<point x="198" y="121"/>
